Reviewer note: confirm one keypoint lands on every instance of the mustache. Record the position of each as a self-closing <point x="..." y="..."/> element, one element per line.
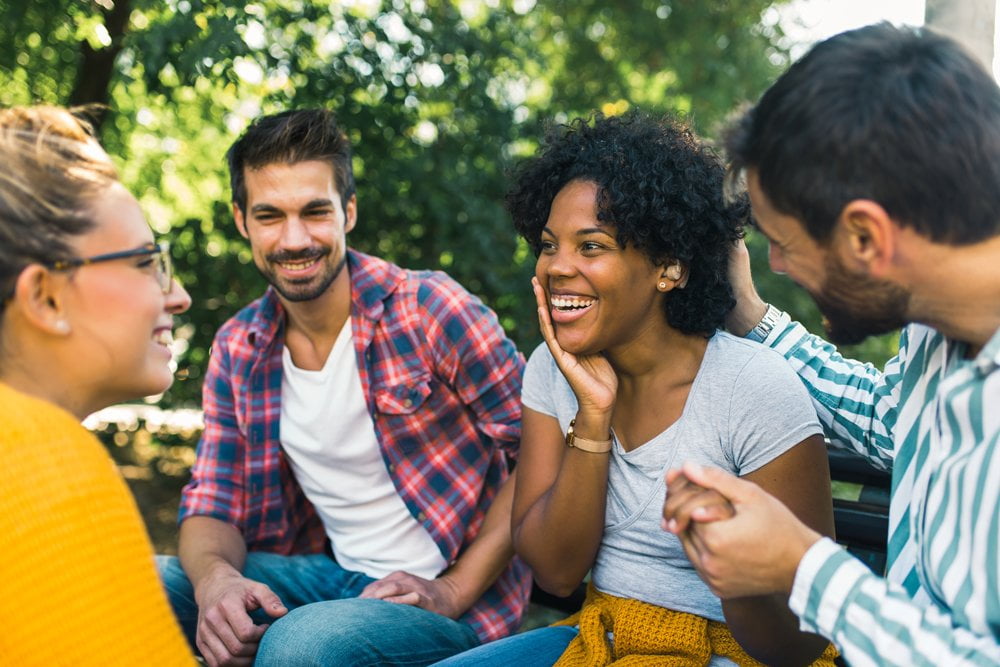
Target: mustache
<point x="298" y="255"/>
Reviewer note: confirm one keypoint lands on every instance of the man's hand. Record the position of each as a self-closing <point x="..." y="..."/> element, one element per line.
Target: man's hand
<point x="439" y="595"/>
<point x="756" y="552"/>
<point x="749" y="308"/>
<point x="684" y="497"/>
<point x="226" y="634"/>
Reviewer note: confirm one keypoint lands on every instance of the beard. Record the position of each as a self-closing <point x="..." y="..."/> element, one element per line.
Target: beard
<point x="304" y="289"/>
<point x="856" y="307"/>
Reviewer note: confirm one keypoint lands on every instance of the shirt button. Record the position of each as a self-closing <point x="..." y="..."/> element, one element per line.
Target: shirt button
<point x="421" y="517"/>
<point x="407" y="403"/>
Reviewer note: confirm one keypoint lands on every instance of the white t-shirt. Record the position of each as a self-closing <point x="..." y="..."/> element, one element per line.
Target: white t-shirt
<point x="329" y="438"/>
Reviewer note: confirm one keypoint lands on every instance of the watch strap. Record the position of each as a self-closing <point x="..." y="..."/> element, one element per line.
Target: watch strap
<point x="586" y="444"/>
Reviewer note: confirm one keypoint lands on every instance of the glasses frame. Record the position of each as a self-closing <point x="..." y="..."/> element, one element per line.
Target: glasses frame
<point x="165" y="267"/>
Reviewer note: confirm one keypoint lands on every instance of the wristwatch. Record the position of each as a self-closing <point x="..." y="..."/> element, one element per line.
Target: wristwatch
<point x="760" y="332"/>
<point x="592" y="446"/>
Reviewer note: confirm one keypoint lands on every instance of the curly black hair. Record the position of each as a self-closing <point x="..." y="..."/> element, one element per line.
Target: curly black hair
<point x="660" y="188"/>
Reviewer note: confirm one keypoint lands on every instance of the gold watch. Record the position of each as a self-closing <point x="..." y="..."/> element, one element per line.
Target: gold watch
<point x="592" y="446"/>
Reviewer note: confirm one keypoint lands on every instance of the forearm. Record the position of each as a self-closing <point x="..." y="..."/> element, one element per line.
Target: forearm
<point x="768" y="630"/>
<point x="478" y="567"/>
<point x="560" y="533"/>
<point x="875" y="622"/>
<point x="209" y="548"/>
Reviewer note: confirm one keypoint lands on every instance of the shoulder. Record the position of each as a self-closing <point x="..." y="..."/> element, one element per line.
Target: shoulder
<point x="544" y="388"/>
<point x="749" y="362"/>
<point x="29" y="419"/>
<point x="750" y="377"/>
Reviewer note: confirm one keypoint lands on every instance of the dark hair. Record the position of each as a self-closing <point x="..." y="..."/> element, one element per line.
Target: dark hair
<point x="290" y="137"/>
<point x="662" y="191"/>
<point x="901" y="116"/>
<point x="53" y="170"/>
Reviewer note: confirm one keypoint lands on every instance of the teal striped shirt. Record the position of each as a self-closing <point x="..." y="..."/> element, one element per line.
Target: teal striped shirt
<point x="927" y="417"/>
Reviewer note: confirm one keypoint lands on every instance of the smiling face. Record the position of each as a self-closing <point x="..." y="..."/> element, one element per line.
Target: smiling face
<point x="601" y="295"/>
<point x="297" y="224"/>
<point x="119" y="320"/>
<point x="854" y="306"/>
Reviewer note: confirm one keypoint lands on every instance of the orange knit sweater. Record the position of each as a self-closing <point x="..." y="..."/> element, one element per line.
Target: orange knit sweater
<point x="78" y="585"/>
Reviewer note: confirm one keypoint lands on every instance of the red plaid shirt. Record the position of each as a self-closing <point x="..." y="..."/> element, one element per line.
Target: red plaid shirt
<point x="442" y="383"/>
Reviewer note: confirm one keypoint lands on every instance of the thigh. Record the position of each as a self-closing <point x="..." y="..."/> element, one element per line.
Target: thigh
<point x="302" y="580"/>
<point x="356" y="633"/>
<point x="535" y="648"/>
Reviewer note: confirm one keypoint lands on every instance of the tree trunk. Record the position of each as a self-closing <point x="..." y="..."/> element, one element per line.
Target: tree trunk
<point x="971" y="22"/>
<point x="97" y="66"/>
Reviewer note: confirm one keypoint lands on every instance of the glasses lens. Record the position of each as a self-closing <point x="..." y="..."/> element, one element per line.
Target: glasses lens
<point x="165" y="268"/>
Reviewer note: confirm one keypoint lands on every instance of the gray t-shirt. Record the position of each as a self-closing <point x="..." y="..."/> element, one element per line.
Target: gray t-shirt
<point x="746" y="407"/>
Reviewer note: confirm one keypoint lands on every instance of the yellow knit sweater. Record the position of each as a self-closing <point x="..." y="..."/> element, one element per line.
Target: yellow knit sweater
<point x="648" y="635"/>
<point x="78" y="585"/>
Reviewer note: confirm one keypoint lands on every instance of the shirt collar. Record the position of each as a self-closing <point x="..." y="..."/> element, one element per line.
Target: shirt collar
<point x="989" y="357"/>
<point x="373" y="280"/>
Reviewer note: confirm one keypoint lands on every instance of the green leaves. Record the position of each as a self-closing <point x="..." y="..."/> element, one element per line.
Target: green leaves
<point x="440" y="99"/>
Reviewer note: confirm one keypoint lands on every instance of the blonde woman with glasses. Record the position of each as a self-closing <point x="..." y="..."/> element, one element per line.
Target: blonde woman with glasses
<point x="85" y="321"/>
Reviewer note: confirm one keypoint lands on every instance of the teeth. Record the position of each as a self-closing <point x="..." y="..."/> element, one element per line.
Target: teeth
<point x="297" y="266"/>
<point x="562" y="302"/>
<point x="164" y="337"/>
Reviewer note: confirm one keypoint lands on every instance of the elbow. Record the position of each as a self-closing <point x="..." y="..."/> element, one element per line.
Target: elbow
<point x="802" y="651"/>
<point x="560" y="586"/>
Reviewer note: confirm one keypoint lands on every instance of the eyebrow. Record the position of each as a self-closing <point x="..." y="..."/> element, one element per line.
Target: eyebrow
<point x="583" y="232"/>
<point x="270" y="208"/>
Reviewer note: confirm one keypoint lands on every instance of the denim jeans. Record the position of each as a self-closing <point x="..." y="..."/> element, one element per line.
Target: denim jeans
<point x="535" y="648"/>
<point x="327" y="624"/>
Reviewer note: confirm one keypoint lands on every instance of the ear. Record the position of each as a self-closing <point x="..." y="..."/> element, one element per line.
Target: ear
<point x="38" y="297"/>
<point x="867" y="238"/>
<point x="351" y="213"/>
<point x="241" y="223"/>
<point x="673" y="275"/>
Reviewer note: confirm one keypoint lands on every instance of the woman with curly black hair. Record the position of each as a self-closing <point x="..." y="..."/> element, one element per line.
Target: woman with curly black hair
<point x="627" y="218"/>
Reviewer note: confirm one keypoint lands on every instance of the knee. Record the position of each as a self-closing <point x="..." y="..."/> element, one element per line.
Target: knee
<point x="293" y="639"/>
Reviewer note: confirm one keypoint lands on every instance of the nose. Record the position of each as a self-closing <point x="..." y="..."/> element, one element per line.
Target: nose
<point x="178" y="300"/>
<point x="294" y="234"/>
<point x="555" y="264"/>
<point x="776" y="258"/>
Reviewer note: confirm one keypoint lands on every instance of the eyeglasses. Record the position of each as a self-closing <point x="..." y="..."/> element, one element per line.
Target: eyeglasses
<point x="158" y="252"/>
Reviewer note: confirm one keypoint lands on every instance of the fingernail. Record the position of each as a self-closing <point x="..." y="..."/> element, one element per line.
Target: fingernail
<point x="672" y="525"/>
<point x="663" y="525"/>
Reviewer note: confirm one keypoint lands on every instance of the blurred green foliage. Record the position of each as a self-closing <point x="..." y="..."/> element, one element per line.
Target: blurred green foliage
<point x="440" y="98"/>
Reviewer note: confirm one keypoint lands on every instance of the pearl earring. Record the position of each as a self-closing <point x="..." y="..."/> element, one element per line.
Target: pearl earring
<point x="62" y="326"/>
<point x="662" y="285"/>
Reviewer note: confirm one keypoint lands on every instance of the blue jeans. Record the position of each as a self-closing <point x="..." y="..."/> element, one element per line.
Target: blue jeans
<point x="327" y="624"/>
<point x="535" y="648"/>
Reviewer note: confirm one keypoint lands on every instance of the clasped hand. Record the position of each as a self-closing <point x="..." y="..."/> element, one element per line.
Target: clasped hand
<point x="226" y="635"/>
<point x="440" y="595"/>
<point x="740" y="539"/>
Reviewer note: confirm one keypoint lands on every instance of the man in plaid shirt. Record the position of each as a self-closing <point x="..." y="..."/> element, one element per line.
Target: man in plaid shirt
<point x="349" y="486"/>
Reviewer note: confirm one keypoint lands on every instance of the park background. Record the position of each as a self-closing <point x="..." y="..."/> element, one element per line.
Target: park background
<point x="440" y="100"/>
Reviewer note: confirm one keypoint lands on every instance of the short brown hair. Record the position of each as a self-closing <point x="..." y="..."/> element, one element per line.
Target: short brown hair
<point x="290" y="137"/>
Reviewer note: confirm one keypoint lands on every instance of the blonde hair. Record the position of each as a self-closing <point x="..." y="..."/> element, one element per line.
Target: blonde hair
<point x="53" y="169"/>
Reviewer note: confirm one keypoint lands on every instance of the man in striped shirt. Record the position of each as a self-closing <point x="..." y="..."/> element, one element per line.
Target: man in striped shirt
<point x="873" y="167"/>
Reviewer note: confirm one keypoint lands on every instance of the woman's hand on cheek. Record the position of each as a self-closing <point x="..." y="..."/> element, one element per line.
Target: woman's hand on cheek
<point x="591" y="376"/>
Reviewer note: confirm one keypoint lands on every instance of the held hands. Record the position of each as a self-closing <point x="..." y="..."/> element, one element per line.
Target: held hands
<point x="226" y="634"/>
<point x="591" y="377"/>
<point x="755" y="551"/>
<point x="684" y="497"/>
<point x="440" y="595"/>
